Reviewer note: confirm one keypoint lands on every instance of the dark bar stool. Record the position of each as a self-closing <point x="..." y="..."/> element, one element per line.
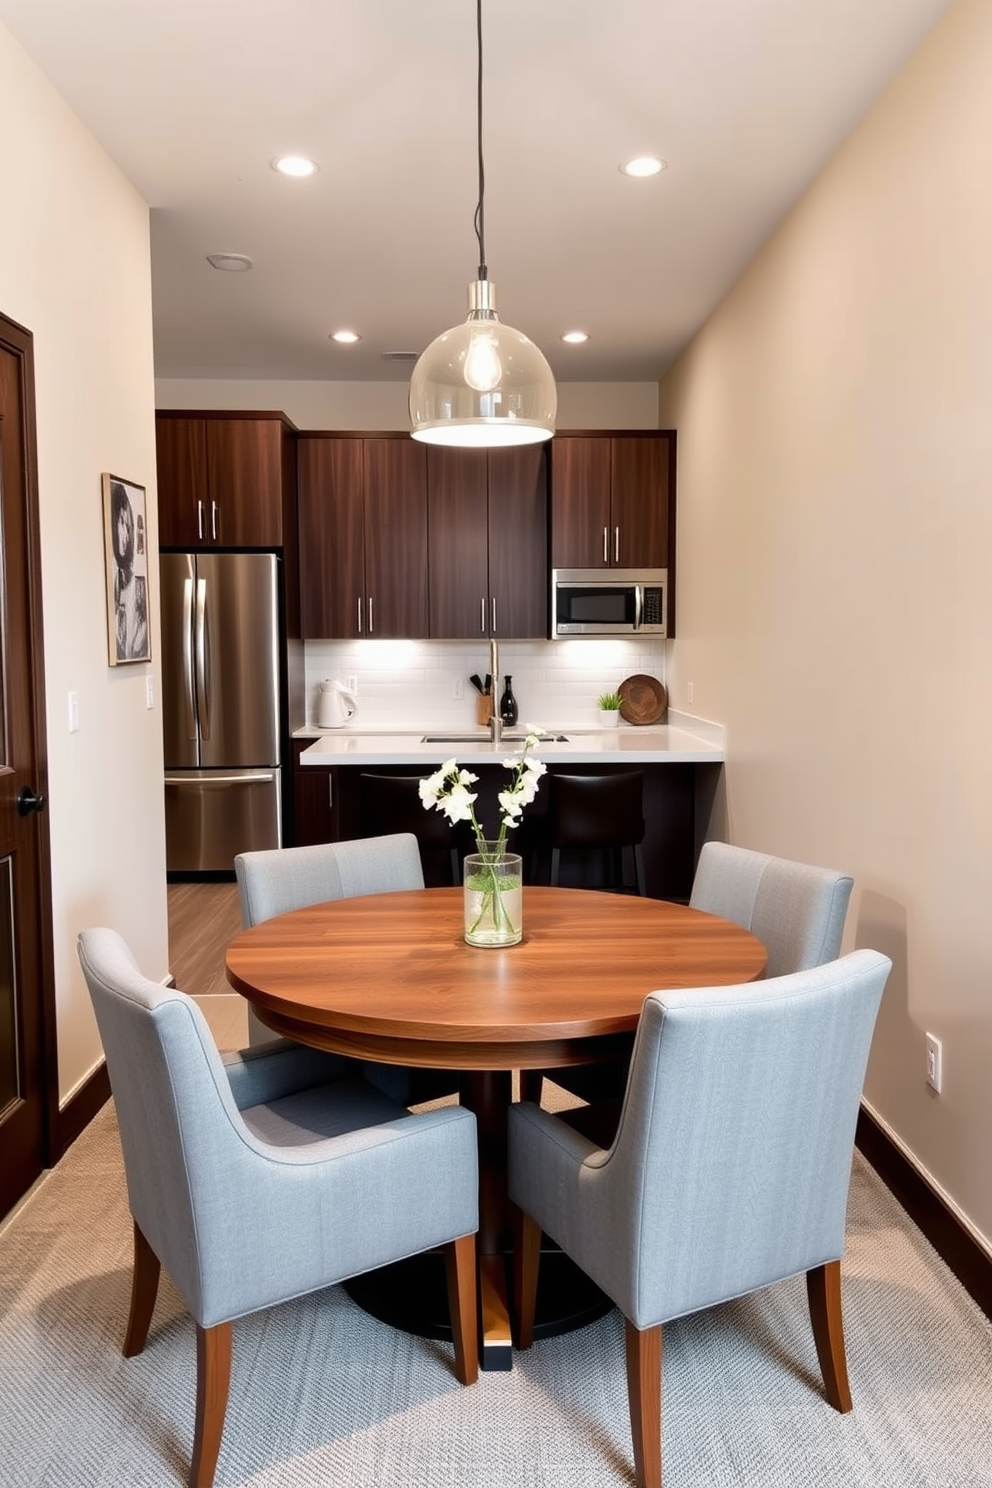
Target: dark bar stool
<point x="391" y="803"/>
<point x="597" y="812"/>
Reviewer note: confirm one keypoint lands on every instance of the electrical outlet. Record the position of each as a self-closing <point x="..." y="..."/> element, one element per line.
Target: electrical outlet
<point x="934" y="1061"/>
<point x="351" y="683"/>
<point x="691" y="691"/>
<point x="458" y="688"/>
<point x="74" y="712"/>
<point x="149" y="693"/>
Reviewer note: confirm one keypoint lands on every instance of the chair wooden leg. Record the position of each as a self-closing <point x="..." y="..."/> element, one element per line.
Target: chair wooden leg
<point x="463" y="1304"/>
<point x="823" y="1292"/>
<point x="526" y="1261"/>
<point x="213" y="1379"/>
<point x="644" y="1348"/>
<point x="144" y="1290"/>
<point x="555" y="861"/>
<point x="639" y="870"/>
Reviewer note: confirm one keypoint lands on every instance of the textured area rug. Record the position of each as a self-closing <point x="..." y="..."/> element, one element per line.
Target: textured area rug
<point x="323" y="1395"/>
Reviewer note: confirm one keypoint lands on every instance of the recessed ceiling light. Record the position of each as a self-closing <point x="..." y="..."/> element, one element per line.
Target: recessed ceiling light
<point x="643" y="165"/>
<point x="575" y="338"/>
<point x="345" y="337"/>
<point x="230" y="263"/>
<point x="295" y="165"/>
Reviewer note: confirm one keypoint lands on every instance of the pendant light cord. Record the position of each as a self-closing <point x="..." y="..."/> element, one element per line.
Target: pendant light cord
<point x="480" y="210"/>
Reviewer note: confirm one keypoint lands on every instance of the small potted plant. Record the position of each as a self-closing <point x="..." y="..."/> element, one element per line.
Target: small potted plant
<point x="609" y="709"/>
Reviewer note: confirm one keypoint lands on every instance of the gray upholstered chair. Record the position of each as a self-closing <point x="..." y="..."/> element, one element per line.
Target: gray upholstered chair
<point x="276" y="880"/>
<point x="729" y="1170"/>
<point x="267" y="1175"/>
<point x="796" y="910"/>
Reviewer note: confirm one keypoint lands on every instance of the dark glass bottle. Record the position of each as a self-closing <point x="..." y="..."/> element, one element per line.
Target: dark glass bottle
<point x="508" y="704"/>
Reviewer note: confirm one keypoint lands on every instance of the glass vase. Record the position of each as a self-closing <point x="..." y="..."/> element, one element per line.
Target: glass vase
<point x="493" y="896"/>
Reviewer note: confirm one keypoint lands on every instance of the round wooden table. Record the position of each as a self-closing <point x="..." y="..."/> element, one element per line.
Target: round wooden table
<point x="389" y="978"/>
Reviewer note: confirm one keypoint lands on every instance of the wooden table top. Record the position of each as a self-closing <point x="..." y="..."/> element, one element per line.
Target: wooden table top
<point x="389" y="976"/>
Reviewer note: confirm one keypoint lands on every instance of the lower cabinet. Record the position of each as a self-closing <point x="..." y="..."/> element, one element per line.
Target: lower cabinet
<point x="327" y="810"/>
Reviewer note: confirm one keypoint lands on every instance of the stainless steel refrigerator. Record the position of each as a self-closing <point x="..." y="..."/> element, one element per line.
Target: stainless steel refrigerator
<point x="220" y="707"/>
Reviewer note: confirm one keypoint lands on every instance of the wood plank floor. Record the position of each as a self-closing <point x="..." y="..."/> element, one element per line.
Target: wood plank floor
<point x="203" y="919"/>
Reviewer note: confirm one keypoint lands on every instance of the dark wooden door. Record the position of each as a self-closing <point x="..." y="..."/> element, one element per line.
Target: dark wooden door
<point x="183" y="507"/>
<point x="244" y="482"/>
<point x="639" y="512"/>
<point x="457" y="507"/>
<point x="332" y="552"/>
<point x="395" y="538"/>
<point x="518" y="540"/>
<point x="28" y="1074"/>
<point x="581" y="528"/>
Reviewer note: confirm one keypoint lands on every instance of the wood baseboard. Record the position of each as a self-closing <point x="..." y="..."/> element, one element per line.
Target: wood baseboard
<point x="956" y="1247"/>
<point x="77" y="1113"/>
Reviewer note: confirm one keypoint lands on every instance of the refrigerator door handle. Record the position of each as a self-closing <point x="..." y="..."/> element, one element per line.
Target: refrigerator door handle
<point x="188" y="703"/>
<point x="242" y="777"/>
<point x="200" y="653"/>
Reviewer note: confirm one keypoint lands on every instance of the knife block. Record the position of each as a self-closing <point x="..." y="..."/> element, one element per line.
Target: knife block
<point x="483" y="709"/>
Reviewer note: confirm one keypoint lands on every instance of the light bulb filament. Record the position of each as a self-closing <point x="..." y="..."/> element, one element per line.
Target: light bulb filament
<point x="483" y="368"/>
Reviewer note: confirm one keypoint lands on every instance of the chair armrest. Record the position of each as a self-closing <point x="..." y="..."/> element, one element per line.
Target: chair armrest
<point x="267" y="1071"/>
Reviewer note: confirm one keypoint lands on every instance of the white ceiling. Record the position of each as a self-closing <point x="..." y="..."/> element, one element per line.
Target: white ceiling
<point x="745" y="99"/>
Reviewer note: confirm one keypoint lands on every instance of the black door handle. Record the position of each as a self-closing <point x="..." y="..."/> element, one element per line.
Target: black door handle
<point x="27" y="801"/>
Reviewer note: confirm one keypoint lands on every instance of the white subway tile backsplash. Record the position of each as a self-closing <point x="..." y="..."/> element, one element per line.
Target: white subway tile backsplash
<point x="409" y="684"/>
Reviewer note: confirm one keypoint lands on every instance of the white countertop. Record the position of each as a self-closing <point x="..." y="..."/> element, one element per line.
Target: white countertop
<point x="688" y="741"/>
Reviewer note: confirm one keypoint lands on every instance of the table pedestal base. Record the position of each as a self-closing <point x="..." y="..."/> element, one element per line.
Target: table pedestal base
<point x="412" y="1295"/>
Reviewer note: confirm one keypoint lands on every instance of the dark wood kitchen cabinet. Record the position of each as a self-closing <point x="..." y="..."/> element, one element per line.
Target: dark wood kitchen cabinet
<point x="363" y="536"/>
<point x="612" y="500"/>
<point x="224" y="479"/>
<point x="488" y="548"/>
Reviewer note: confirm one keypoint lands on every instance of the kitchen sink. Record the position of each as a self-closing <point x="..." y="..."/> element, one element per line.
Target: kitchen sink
<point x="479" y="738"/>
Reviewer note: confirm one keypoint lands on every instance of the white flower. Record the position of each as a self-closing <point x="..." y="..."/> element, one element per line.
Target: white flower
<point x="511" y="806"/>
<point x="457" y="805"/>
<point x="432" y="788"/>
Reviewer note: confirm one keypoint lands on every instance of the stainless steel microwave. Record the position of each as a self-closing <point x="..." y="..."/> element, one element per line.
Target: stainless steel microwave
<point x="608" y="601"/>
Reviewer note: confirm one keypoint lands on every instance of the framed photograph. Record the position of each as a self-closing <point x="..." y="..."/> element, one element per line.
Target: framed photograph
<point x="125" y="533"/>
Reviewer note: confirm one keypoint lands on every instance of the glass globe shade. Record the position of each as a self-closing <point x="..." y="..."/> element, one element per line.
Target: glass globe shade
<point x="482" y="384"/>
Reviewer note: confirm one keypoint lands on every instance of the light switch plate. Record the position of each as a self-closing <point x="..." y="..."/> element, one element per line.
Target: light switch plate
<point x="934" y="1062"/>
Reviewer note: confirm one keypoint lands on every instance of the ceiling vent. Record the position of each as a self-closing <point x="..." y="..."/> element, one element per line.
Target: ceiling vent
<point x="230" y="263"/>
<point x="399" y="356"/>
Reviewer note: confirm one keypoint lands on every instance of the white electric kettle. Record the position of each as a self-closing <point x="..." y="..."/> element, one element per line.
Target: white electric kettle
<point x="335" y="704"/>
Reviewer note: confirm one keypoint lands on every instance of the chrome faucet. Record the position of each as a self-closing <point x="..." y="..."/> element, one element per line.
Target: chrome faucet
<point x="495" y="721"/>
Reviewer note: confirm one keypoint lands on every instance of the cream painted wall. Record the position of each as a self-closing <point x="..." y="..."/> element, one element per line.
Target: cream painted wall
<point x="835" y="609"/>
<point x="383" y="405"/>
<point x="74" y="269"/>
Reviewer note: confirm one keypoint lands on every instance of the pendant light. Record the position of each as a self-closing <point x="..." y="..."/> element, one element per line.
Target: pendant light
<point x="482" y="383"/>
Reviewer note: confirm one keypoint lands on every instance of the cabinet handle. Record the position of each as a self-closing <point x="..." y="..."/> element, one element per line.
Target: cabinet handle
<point x="606" y="546"/>
<point x="199" y="520"/>
<point x="359" y="614"/>
<point x="616" y="545"/>
<point x="482" y="615"/>
<point x="493" y="603"/>
<point x="213" y="521"/>
<point x="371" y="626"/>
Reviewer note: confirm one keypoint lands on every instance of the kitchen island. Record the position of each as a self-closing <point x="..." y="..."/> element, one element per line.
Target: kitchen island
<point x="682" y="763"/>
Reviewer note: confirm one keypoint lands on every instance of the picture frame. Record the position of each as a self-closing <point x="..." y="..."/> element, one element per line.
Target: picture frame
<point x="125" y="538"/>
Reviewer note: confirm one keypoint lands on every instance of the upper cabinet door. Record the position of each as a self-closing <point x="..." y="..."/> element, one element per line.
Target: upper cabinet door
<point x="457" y="506"/>
<point x="244" y="482"/>
<point x="332" y="555"/>
<point x="639" y="509"/>
<point x="221" y="481"/>
<point x="395" y="537"/>
<point x="518" y="541"/>
<point x="581" y="527"/>
<point x="181" y="457"/>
